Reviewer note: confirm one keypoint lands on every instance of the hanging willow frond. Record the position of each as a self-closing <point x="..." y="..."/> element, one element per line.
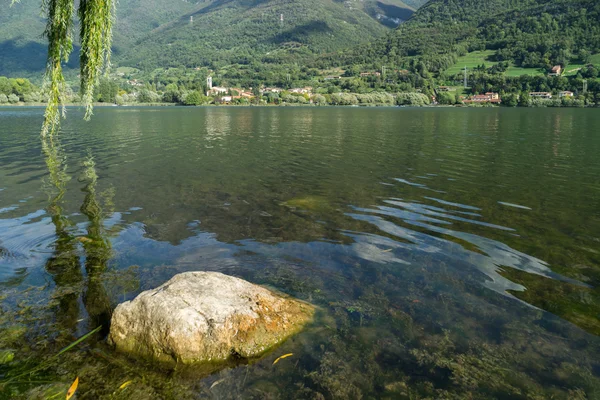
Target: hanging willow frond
<point x="96" y="18"/>
<point x="59" y="31"/>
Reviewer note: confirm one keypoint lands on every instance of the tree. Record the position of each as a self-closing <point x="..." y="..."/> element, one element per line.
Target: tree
<point x="171" y="94"/>
<point x="446" y="98"/>
<point x="320" y="99"/>
<point x="195" y="98"/>
<point x="107" y="90"/>
<point x="584" y="56"/>
<point x="34" y="97"/>
<point x="412" y="99"/>
<point x="5" y="86"/>
<point x="13" y="98"/>
<point x="148" y="96"/>
<point x="3" y="98"/>
<point x="510" y="100"/>
<point x="524" y="99"/>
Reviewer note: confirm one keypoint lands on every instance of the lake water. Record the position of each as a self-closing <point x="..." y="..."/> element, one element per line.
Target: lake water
<point x="453" y="253"/>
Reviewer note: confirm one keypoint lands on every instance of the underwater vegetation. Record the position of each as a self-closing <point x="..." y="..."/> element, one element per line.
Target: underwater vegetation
<point x="437" y="268"/>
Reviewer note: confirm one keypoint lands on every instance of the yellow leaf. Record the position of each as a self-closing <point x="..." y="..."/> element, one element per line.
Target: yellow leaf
<point x="73" y="388"/>
<point x="217" y="383"/>
<point x="282" y="357"/>
<point x="84" y="239"/>
<point x="124" y="385"/>
<point x="387" y="251"/>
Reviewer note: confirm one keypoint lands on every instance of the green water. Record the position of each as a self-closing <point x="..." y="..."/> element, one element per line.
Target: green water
<point x="453" y="253"/>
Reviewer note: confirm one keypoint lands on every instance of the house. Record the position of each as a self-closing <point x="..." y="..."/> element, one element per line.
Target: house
<point x="217" y="90"/>
<point x="363" y="74"/>
<point x="556" y="71"/>
<point x="135" y="82"/>
<point x="272" y="90"/>
<point x="443" y="89"/>
<point x="565" y="93"/>
<point x="489" y="97"/>
<point x="225" y="99"/>
<point x="541" y="95"/>
<point x="332" y="77"/>
<point x="304" y="90"/>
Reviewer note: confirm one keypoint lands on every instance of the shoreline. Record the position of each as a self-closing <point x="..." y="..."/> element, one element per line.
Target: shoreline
<point x="105" y="105"/>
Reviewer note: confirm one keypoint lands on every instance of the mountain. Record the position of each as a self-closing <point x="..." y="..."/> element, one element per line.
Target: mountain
<point x="264" y="31"/>
<point x="23" y="49"/>
<point x="150" y="33"/>
<point x="389" y="12"/>
<point x="525" y="33"/>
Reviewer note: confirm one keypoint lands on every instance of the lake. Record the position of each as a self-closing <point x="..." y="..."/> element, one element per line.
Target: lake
<point x="452" y="253"/>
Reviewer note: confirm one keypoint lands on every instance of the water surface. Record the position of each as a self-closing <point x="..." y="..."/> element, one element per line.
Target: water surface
<point x="453" y="253"/>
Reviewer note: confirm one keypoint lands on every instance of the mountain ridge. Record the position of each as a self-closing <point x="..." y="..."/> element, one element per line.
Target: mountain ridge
<point x="141" y="23"/>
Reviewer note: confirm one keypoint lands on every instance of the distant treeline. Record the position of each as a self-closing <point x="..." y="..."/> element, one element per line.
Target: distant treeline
<point x="14" y="90"/>
<point x="400" y="87"/>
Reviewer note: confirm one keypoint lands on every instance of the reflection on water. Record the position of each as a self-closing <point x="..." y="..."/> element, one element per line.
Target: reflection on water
<point x="486" y="255"/>
<point x="453" y="253"/>
<point x="64" y="263"/>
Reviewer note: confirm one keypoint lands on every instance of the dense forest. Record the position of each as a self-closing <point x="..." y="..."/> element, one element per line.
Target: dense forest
<point x="528" y="33"/>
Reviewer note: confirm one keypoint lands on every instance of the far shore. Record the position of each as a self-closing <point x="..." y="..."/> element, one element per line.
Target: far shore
<point x="106" y="105"/>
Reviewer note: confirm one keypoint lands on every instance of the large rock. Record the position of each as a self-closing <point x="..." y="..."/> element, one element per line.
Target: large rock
<point x="206" y="317"/>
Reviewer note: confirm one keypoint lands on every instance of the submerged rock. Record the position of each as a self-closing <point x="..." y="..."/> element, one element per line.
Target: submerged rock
<point x="206" y="317"/>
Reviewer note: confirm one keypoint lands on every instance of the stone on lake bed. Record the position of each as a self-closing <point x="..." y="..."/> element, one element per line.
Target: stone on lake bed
<point x="206" y="317"/>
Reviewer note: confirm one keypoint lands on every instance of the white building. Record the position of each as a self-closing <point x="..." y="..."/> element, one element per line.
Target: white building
<point x="217" y="90"/>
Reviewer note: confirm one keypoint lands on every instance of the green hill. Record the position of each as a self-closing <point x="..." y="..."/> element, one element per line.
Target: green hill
<point x="524" y="33"/>
<point x="259" y="31"/>
<point x="389" y="12"/>
<point x="152" y="33"/>
<point x="23" y="49"/>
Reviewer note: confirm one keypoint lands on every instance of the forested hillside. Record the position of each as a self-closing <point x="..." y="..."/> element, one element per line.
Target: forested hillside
<point x="151" y="33"/>
<point x="23" y="49"/>
<point x="527" y="33"/>
<point x="389" y="12"/>
<point x="267" y="31"/>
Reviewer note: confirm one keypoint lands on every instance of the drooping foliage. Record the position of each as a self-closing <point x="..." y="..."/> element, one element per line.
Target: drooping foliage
<point x="96" y="21"/>
<point x="60" y="44"/>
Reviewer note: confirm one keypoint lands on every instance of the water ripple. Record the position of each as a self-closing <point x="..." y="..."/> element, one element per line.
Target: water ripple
<point x="487" y="256"/>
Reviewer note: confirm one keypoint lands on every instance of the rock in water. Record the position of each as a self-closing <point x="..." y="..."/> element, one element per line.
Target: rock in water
<point x="206" y="317"/>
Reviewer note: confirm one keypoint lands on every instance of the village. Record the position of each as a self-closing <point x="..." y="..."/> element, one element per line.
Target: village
<point x="351" y="88"/>
<point x="226" y="95"/>
<point x="494" y="98"/>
